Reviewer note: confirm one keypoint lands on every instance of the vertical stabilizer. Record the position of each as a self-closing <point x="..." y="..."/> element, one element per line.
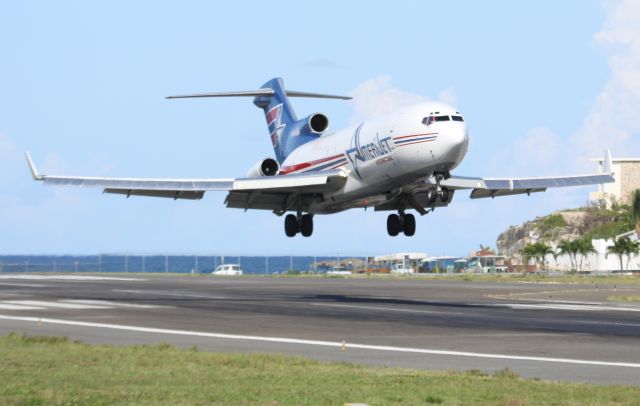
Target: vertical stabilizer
<point x="279" y="115"/>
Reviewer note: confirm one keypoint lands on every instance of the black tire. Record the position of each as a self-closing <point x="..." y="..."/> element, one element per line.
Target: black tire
<point x="432" y="196"/>
<point x="291" y="227"/>
<point x="444" y="197"/>
<point x="306" y="225"/>
<point x="409" y="227"/>
<point x="393" y="225"/>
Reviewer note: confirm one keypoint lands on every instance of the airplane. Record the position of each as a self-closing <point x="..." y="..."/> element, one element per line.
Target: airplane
<point x="396" y="162"/>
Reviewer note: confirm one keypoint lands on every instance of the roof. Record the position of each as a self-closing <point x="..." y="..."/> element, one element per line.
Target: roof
<point x="400" y="256"/>
<point x="617" y="160"/>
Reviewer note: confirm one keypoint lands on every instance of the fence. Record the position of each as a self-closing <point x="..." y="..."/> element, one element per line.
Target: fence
<point x="175" y="263"/>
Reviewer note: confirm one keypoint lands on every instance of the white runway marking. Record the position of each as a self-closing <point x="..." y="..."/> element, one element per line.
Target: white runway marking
<point x="68" y="278"/>
<point x="46" y="304"/>
<point x="570" y="307"/>
<point x="113" y="304"/>
<point x="387" y="309"/>
<point x="7" y="306"/>
<point x="321" y="343"/>
<point x="173" y="294"/>
<point x="24" y="285"/>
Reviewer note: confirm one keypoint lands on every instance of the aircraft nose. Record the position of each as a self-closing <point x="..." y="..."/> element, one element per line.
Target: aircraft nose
<point x="459" y="139"/>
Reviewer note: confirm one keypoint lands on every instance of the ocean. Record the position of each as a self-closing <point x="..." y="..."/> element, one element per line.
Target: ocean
<point x="170" y="263"/>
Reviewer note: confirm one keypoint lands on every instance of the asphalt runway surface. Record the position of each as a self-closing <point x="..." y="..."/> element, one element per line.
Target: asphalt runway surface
<point x="548" y="331"/>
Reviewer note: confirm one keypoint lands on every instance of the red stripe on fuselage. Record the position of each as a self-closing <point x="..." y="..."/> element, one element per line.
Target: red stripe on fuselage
<point x="411" y="143"/>
<point x="414" y="135"/>
<point x="304" y="165"/>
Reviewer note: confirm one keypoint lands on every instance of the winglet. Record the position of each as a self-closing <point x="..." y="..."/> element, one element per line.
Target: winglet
<point x="607" y="166"/>
<point x="32" y="167"/>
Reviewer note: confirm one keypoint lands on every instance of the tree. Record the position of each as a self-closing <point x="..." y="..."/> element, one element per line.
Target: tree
<point x="486" y="249"/>
<point x="569" y="248"/>
<point x="584" y="247"/>
<point x="635" y="210"/>
<point x="624" y="247"/>
<point x="537" y="251"/>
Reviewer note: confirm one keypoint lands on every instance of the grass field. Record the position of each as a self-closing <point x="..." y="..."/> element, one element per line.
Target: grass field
<point x="56" y="371"/>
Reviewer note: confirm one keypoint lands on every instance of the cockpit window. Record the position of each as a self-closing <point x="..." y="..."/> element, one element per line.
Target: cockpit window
<point x="427" y="120"/>
<point x="431" y="119"/>
<point x="457" y="118"/>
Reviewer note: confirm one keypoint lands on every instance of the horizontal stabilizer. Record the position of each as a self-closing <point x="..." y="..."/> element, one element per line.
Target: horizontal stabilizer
<point x="261" y="92"/>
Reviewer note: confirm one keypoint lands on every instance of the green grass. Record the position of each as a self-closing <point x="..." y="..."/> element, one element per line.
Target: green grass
<point x="624" y="298"/>
<point x="56" y="371"/>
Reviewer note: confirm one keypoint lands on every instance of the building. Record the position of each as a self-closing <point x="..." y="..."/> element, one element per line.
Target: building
<point x="627" y="174"/>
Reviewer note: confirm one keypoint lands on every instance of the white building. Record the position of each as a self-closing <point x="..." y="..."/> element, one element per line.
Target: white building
<point x="598" y="261"/>
<point x="627" y="174"/>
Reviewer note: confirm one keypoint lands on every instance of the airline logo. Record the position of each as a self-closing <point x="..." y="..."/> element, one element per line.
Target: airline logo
<point x="376" y="148"/>
<point x="276" y="128"/>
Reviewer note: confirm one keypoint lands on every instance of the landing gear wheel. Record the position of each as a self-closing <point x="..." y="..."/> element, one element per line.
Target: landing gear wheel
<point x="444" y="195"/>
<point x="306" y="225"/>
<point x="432" y="196"/>
<point x="291" y="226"/>
<point x="394" y="226"/>
<point x="409" y="226"/>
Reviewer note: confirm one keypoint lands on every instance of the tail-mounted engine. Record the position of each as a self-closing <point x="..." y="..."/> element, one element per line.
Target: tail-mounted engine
<point x="266" y="167"/>
<point x="316" y="124"/>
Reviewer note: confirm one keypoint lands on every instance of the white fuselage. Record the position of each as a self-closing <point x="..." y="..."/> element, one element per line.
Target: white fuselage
<point x="383" y="155"/>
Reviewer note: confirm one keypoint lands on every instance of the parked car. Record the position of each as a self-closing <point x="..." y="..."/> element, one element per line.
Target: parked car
<point x="399" y="269"/>
<point x="228" y="269"/>
<point x="339" y="270"/>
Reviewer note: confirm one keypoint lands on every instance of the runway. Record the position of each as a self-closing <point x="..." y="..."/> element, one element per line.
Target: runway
<point x="549" y="331"/>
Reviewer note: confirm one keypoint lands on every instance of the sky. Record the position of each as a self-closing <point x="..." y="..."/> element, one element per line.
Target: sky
<point x="544" y="86"/>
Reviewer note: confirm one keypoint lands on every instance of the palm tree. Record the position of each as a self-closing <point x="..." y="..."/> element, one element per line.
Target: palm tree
<point x="624" y="247"/>
<point x="538" y="251"/>
<point x="635" y="210"/>
<point x="585" y="247"/>
<point x="570" y="248"/>
<point x="487" y="249"/>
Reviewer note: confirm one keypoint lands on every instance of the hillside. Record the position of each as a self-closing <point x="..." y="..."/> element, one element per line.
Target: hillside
<point x="592" y="222"/>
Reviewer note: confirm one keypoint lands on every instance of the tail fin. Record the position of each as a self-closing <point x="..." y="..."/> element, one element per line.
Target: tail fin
<point x="287" y="132"/>
<point x="280" y="116"/>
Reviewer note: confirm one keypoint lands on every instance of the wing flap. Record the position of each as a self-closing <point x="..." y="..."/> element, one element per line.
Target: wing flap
<point x="285" y="185"/>
<point x="172" y="194"/>
<point x="494" y="187"/>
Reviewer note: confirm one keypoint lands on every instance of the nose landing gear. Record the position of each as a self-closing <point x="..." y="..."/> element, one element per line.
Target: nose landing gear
<point x="298" y="223"/>
<point x="401" y="222"/>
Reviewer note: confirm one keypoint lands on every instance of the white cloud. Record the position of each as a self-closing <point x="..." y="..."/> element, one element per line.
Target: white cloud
<point x="613" y="120"/>
<point x="378" y="96"/>
<point x="539" y="152"/>
<point x="612" y="123"/>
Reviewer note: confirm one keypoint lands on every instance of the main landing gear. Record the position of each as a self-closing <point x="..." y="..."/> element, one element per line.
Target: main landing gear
<point x="298" y="223"/>
<point x="401" y="222"/>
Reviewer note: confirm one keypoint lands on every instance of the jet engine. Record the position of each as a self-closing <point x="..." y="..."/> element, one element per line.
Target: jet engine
<point x="316" y="123"/>
<point x="266" y="167"/>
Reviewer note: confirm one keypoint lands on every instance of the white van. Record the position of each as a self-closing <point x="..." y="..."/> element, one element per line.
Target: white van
<point x="399" y="269"/>
<point x="339" y="270"/>
<point x="228" y="269"/>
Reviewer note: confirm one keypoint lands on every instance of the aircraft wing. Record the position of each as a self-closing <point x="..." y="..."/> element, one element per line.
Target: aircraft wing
<point x="282" y="186"/>
<point x="493" y="187"/>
